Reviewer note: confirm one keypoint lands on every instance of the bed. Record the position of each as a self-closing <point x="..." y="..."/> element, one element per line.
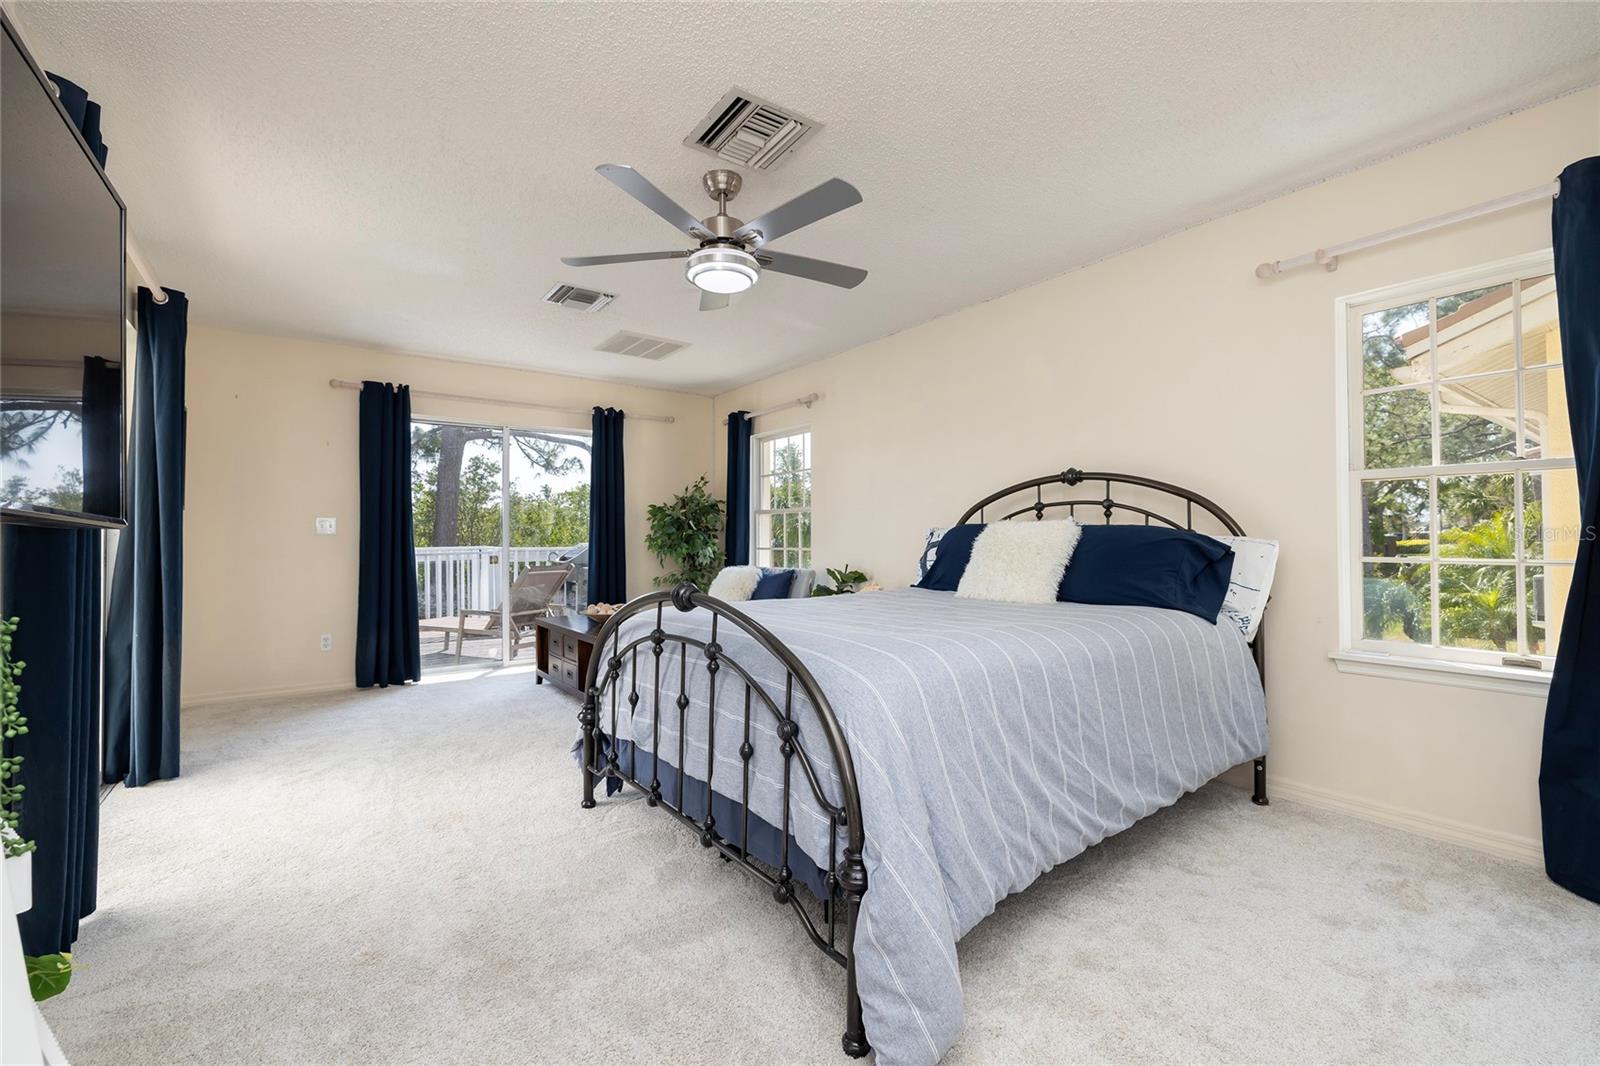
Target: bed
<point x="891" y="765"/>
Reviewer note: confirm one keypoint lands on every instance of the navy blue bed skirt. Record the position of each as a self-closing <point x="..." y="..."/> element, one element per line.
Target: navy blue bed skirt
<point x="766" y="843"/>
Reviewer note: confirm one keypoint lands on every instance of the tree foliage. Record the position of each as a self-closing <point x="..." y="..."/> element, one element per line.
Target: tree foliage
<point x="1477" y="602"/>
<point x="455" y="498"/>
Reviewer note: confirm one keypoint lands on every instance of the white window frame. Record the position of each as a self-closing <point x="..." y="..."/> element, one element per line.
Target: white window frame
<point x="756" y="512"/>
<point x="1357" y="654"/>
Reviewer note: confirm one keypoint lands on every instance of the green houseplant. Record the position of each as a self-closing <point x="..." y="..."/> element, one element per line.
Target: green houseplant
<point x="844" y="582"/>
<point x="47" y="974"/>
<point x="12" y="725"/>
<point x="686" y="536"/>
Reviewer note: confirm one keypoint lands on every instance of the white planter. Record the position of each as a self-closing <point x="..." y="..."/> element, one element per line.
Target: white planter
<point x="19" y="872"/>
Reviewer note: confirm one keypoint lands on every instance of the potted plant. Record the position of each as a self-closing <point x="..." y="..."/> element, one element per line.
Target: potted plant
<point x="18" y="864"/>
<point x="686" y="536"/>
<point x="844" y="582"/>
<point x="47" y="974"/>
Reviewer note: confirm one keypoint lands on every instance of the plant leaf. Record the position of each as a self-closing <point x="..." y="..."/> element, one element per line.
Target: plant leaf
<point x="48" y="974"/>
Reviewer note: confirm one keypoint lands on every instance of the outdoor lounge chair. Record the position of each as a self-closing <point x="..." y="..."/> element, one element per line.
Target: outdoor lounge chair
<point x="533" y="596"/>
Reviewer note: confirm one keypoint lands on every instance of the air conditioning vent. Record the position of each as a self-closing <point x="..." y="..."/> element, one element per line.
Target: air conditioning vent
<point x="750" y="132"/>
<point x="578" y="299"/>
<point x="639" y="346"/>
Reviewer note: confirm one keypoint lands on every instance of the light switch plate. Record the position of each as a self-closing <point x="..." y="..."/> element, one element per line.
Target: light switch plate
<point x="327" y="527"/>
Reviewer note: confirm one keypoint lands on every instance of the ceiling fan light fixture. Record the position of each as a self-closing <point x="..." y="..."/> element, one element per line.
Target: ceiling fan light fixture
<point x="722" y="270"/>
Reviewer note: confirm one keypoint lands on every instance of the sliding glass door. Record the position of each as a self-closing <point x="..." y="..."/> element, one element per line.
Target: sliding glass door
<point x="500" y="517"/>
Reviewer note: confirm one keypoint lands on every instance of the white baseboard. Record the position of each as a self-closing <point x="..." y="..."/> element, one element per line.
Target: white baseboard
<point x="267" y="693"/>
<point x="1506" y="845"/>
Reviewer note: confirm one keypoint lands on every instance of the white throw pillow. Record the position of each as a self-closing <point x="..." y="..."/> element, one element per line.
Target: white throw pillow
<point x="1255" y="561"/>
<point x="1019" y="562"/>
<point x="734" y="584"/>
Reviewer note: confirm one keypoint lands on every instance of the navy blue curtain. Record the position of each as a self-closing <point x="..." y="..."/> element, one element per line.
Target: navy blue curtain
<point x="608" y="543"/>
<point x="144" y="620"/>
<point x="52" y="586"/>
<point x="738" y="539"/>
<point x="102" y="437"/>
<point x="388" y="649"/>
<point x="1569" y="776"/>
<point x="84" y="112"/>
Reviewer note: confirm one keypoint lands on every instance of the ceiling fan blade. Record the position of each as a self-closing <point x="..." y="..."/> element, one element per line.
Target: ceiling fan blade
<point x="713" y="301"/>
<point x="638" y="186"/>
<point x="846" y="277"/>
<point x="831" y="197"/>
<point x="626" y="257"/>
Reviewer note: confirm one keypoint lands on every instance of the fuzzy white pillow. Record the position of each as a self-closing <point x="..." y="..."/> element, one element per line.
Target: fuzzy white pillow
<point x="1019" y="562"/>
<point x="734" y="584"/>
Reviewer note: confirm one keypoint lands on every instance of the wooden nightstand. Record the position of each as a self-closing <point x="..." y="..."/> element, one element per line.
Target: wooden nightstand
<point x="564" y="641"/>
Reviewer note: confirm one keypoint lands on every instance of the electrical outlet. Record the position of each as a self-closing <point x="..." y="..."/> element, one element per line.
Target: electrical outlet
<point x="327" y="527"/>
<point x="326" y="643"/>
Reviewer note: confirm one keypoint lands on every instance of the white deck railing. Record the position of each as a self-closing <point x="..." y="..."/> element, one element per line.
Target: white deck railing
<point x="470" y="577"/>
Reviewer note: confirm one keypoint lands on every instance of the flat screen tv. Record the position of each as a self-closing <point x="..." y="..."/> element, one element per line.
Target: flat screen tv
<point x="62" y="317"/>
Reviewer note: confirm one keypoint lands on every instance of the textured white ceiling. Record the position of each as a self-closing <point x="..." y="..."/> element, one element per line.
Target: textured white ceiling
<point x="409" y="175"/>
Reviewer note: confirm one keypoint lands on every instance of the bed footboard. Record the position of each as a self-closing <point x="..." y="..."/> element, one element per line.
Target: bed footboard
<point x="829" y="921"/>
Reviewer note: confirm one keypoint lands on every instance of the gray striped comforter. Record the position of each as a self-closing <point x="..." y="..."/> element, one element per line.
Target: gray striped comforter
<point x="991" y="742"/>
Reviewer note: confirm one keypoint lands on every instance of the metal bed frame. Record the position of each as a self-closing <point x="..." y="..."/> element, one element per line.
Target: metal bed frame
<point x="831" y="921"/>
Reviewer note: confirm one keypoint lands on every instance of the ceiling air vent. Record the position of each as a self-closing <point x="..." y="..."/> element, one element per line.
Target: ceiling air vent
<point x="749" y="131"/>
<point x="639" y="346"/>
<point x="578" y="299"/>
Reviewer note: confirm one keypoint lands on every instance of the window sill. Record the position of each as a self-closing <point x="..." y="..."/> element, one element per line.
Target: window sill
<point x="1518" y="681"/>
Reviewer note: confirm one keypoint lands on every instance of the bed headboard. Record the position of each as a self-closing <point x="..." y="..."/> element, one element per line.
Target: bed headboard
<point x="1143" y="496"/>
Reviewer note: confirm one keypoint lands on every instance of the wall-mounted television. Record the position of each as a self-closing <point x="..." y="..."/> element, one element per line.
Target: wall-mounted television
<point x="62" y="312"/>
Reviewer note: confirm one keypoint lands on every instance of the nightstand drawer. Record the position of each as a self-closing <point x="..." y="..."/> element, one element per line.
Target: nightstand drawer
<point x="569" y="672"/>
<point x="568" y="647"/>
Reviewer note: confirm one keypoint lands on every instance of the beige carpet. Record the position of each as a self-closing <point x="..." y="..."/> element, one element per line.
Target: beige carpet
<point x="406" y="876"/>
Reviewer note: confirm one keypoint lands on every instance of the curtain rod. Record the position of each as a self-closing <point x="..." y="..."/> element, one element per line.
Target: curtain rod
<point x="46" y="364"/>
<point x="141" y="265"/>
<point x="1328" y="257"/>
<point x="804" y="401"/>
<point x="338" y="383"/>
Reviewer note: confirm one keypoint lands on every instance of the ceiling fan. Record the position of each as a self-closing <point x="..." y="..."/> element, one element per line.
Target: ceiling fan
<point x="732" y="254"/>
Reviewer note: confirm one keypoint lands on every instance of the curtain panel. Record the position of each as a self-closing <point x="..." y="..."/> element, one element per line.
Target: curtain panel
<point x="52" y="586"/>
<point x="388" y="646"/>
<point x="84" y="112"/>
<point x="738" y="540"/>
<point x="103" y="491"/>
<point x="1569" y="775"/>
<point x="144" y="618"/>
<point x="608" y="544"/>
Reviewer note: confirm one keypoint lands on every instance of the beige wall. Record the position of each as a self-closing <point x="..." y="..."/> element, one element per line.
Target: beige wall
<point x="1175" y="361"/>
<point x="271" y="447"/>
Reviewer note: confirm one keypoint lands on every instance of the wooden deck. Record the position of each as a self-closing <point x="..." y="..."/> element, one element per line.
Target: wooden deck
<point x="479" y="652"/>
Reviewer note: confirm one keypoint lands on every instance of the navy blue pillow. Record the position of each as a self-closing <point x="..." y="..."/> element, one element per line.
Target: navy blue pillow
<point x="773" y="585"/>
<point x="1149" y="566"/>
<point x="950" y="561"/>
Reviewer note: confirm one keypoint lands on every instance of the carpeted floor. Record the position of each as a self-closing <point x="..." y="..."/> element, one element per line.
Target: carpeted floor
<point x="406" y="876"/>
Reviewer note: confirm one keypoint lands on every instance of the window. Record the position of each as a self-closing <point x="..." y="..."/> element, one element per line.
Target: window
<point x="488" y="505"/>
<point x="782" y="512"/>
<point x="1462" y="494"/>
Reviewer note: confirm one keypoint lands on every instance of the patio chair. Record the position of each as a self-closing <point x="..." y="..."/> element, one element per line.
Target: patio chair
<point x="533" y="596"/>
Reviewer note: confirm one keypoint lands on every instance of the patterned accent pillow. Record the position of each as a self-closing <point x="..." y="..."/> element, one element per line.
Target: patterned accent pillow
<point x="930" y="550"/>
<point x="1255" y="562"/>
